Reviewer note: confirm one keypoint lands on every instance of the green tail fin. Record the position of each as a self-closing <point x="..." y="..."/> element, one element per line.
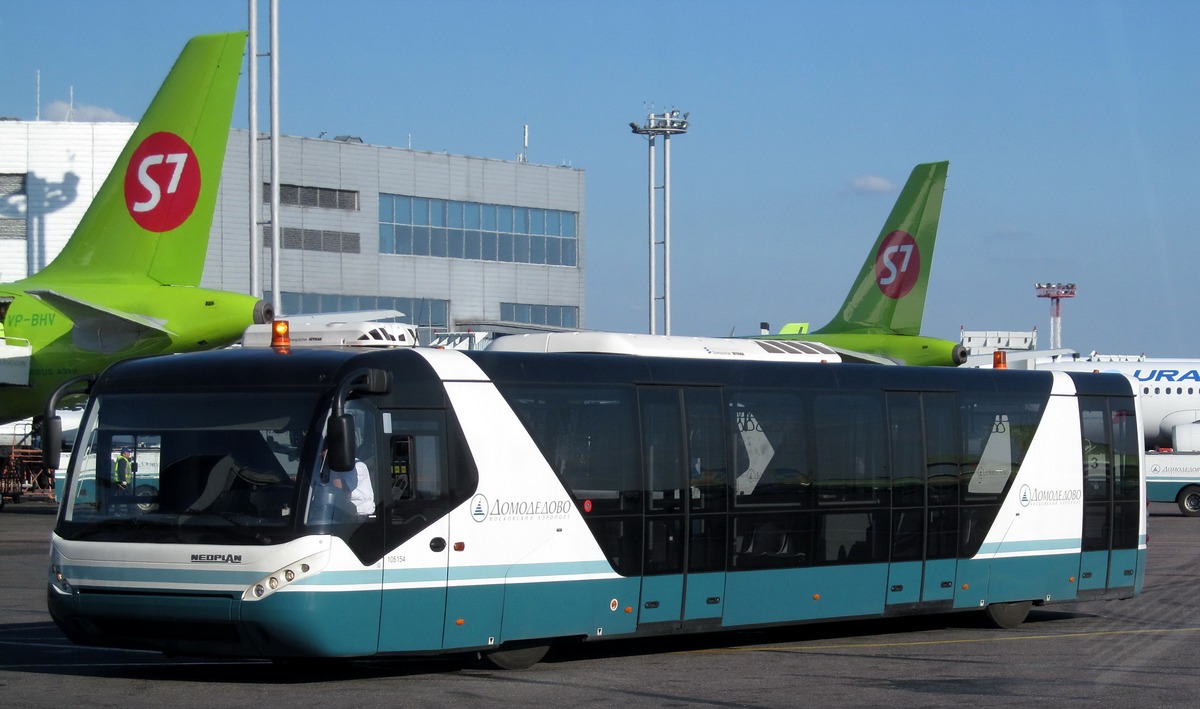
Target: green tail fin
<point x="889" y="294"/>
<point x="152" y="216"/>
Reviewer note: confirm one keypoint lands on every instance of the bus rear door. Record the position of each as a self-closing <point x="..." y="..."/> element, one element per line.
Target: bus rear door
<point x="1111" y="496"/>
<point x="923" y="436"/>
<point x="684" y="462"/>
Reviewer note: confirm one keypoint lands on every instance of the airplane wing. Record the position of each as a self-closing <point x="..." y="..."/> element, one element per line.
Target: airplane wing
<point x="861" y="357"/>
<point x="345" y="316"/>
<point x="1025" y="359"/>
<point x="97" y="328"/>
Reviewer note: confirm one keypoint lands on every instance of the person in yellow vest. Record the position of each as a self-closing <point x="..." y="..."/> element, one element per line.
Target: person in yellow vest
<point x="122" y="473"/>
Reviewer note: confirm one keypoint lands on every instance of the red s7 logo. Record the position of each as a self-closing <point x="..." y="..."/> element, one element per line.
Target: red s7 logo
<point x="162" y="182"/>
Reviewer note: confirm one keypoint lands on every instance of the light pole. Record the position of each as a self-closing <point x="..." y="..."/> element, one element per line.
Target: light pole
<point x="1055" y="292"/>
<point x="665" y="124"/>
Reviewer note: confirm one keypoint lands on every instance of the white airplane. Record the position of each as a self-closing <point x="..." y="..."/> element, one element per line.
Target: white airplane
<point x="1169" y="390"/>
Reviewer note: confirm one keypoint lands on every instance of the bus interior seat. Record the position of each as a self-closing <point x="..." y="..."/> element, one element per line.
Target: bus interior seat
<point x="772" y="541"/>
<point x="859" y="551"/>
<point x="231" y="485"/>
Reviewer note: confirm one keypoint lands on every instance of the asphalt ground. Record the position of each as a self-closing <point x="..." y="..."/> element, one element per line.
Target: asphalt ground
<point x="1142" y="652"/>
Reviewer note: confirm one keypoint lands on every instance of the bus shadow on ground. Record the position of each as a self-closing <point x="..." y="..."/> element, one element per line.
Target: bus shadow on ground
<point x="881" y="630"/>
<point x="41" y="649"/>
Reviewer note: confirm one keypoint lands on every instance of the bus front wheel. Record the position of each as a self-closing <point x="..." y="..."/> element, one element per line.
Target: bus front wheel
<point x="1189" y="501"/>
<point x="1007" y="615"/>
<point x="147" y="498"/>
<point x="516" y="656"/>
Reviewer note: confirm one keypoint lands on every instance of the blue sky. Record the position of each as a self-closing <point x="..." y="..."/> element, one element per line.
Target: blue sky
<point x="1072" y="131"/>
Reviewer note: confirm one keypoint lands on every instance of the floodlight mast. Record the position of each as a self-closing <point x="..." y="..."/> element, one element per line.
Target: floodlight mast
<point x="665" y="124"/>
<point x="1055" y="292"/>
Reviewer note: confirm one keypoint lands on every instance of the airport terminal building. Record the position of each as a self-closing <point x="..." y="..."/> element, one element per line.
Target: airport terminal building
<point x="453" y="242"/>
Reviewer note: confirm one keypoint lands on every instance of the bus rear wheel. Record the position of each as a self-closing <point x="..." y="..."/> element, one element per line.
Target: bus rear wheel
<point x="1007" y="615"/>
<point x="516" y="656"/>
<point x="1189" y="501"/>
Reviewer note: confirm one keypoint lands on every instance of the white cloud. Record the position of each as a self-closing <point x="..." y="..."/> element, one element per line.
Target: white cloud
<point x="872" y="184"/>
<point x="84" y="113"/>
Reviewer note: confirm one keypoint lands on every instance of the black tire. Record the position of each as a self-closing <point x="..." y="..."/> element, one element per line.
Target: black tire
<point x="1007" y="615"/>
<point x="146" y="497"/>
<point x="1189" y="501"/>
<point x="516" y="656"/>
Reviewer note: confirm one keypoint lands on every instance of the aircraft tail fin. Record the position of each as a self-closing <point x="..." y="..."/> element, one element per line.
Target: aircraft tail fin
<point x="152" y="216"/>
<point x="889" y="294"/>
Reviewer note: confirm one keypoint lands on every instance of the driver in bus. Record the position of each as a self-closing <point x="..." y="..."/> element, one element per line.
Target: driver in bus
<point x="338" y="495"/>
<point x="358" y="483"/>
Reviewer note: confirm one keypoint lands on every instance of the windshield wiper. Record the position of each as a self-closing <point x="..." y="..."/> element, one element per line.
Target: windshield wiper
<point x="113" y="524"/>
<point x="240" y="526"/>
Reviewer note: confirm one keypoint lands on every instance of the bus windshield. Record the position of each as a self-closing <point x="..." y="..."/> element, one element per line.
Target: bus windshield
<point x="213" y="467"/>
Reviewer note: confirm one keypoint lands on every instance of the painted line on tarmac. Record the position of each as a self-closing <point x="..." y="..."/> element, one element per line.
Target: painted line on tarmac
<point x="917" y="643"/>
<point x="107" y="665"/>
<point x="18" y="643"/>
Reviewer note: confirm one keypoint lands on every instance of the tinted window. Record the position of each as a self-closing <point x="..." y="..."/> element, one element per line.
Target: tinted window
<point x="588" y="437"/>
<point x="769" y="448"/>
<point x="850" y="463"/>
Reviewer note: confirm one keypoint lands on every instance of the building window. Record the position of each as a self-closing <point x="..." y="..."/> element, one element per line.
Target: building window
<point x="12" y="206"/>
<point x="419" y="226"/>
<point x="12" y="228"/>
<point x="319" y="197"/>
<point x="338" y="242"/>
<point x="422" y="312"/>
<point x="532" y="314"/>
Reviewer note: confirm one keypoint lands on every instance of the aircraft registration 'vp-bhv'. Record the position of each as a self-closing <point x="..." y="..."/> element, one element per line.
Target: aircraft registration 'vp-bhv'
<point x="126" y="283"/>
<point x="881" y="317"/>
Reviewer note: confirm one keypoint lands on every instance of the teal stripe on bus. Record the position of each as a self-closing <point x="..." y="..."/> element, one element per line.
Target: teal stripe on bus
<point x="213" y="575"/>
<point x="1032" y="545"/>
<point x="1160" y="490"/>
<point x="355" y="577"/>
<point x="496" y="572"/>
<point x="499" y="572"/>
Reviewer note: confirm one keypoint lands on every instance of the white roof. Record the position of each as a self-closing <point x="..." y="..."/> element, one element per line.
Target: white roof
<point x="667" y="346"/>
<point x="335" y="334"/>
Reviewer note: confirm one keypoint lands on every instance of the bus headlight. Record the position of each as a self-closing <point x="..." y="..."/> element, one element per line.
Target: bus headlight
<point x="296" y="572"/>
<point x="59" y="581"/>
<point x="276" y="580"/>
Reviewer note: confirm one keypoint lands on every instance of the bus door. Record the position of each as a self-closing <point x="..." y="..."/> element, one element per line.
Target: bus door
<point x="923" y="437"/>
<point x="1111" y="503"/>
<point x="684" y="464"/>
<point x="414" y="496"/>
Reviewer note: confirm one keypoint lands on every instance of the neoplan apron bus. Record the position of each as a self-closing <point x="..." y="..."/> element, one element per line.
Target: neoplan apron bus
<point x="517" y="500"/>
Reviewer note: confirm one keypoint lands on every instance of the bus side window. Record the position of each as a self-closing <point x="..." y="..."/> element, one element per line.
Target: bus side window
<point x="403" y="474"/>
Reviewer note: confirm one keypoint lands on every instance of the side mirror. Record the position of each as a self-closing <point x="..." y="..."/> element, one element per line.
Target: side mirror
<point x="52" y="422"/>
<point x="339" y="439"/>
<point x="51" y="441"/>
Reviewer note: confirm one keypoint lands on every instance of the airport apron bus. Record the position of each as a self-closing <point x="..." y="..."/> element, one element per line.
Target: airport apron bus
<point x="507" y="500"/>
